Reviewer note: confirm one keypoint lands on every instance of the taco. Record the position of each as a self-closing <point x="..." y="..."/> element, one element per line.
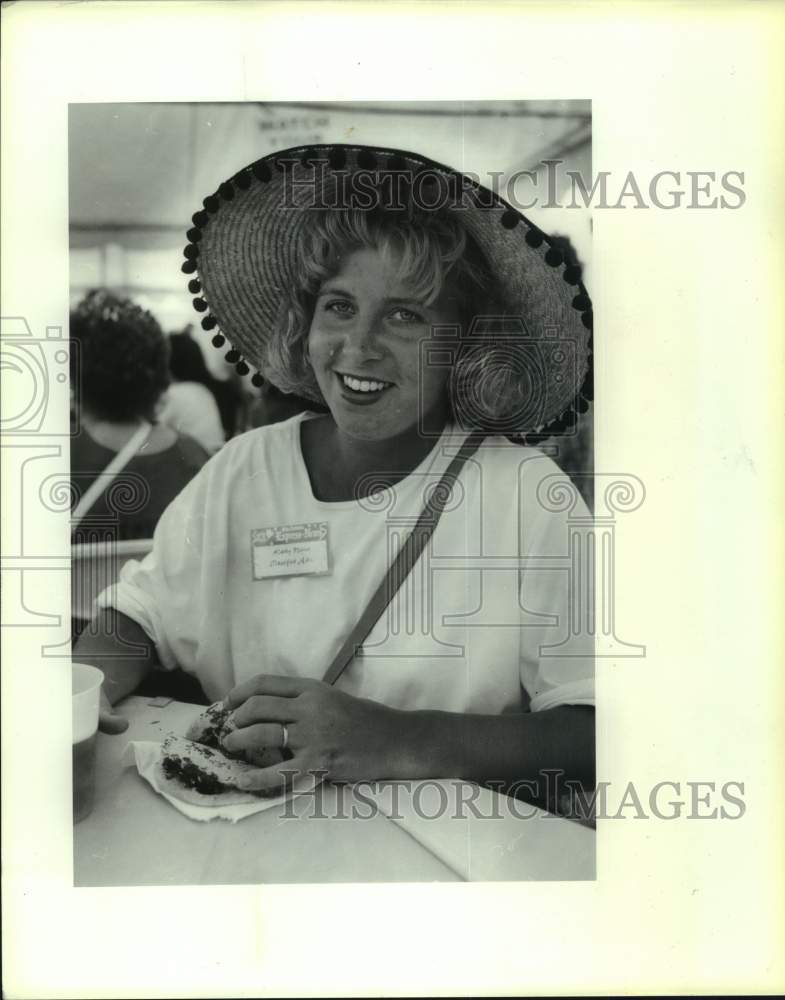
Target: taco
<point x="202" y="775"/>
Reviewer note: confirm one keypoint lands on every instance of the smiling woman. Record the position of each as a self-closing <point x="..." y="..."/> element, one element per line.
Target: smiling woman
<point x="373" y="587"/>
<point x="364" y="347"/>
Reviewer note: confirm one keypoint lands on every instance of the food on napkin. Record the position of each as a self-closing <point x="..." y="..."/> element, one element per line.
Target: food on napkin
<point x="202" y="770"/>
<point x="203" y="776"/>
<point x="198" y="770"/>
<point x="214" y="725"/>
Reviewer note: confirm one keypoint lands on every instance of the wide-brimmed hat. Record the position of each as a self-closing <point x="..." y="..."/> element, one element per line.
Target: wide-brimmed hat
<point x="243" y="251"/>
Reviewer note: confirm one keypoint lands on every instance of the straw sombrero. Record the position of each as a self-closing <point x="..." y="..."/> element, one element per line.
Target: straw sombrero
<point x="243" y="248"/>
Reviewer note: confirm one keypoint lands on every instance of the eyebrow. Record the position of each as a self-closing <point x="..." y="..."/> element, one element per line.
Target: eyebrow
<point x="392" y="300"/>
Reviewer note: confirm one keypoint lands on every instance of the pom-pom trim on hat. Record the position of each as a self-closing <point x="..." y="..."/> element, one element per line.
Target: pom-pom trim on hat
<point x="368" y="160"/>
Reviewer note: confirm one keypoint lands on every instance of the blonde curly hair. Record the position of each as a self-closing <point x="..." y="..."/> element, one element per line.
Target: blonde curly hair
<point x="431" y="250"/>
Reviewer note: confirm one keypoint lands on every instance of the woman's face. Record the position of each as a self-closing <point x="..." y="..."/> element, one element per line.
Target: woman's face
<point x="364" y="347"/>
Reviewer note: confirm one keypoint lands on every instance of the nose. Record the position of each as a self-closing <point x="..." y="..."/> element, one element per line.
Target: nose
<point x="362" y="341"/>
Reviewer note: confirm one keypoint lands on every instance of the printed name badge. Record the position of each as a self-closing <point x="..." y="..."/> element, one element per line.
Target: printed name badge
<point x="290" y="550"/>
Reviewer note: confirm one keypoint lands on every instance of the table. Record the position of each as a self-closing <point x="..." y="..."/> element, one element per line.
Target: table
<point x="443" y="831"/>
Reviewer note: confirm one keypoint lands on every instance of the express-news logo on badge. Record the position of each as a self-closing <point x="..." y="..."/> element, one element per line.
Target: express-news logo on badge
<point x="290" y="550"/>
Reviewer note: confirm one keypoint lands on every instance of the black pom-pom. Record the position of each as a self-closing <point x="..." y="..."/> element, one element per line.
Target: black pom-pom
<point x="587" y="389"/>
<point x="200" y="219"/>
<point x="366" y="160"/>
<point x="218" y="340"/>
<point x="200" y="305"/>
<point x="510" y="219"/>
<point x="209" y="322"/>
<point x="555" y="426"/>
<point x="191" y="252"/>
<point x="226" y="191"/>
<point x="188" y="267"/>
<point x="194" y="286"/>
<point x="261" y="172"/>
<point x="572" y="275"/>
<point x="241" y="368"/>
<point x="257" y="380"/>
<point x="554" y="257"/>
<point x="337" y="159"/>
<point x="581" y="302"/>
<point x="194" y="235"/>
<point x="396" y="162"/>
<point x="232" y="356"/>
<point x="534" y="238"/>
<point x="211" y="203"/>
<point x="243" y="180"/>
<point x="587" y="318"/>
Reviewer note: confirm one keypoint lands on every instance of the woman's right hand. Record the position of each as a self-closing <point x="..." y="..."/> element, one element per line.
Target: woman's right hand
<point x="109" y="721"/>
<point x="121" y="649"/>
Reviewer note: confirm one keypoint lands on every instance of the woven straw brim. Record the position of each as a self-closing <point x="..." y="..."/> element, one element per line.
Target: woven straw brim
<point x="244" y="245"/>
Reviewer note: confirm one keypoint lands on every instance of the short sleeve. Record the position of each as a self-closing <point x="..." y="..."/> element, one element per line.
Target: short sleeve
<point x="555" y="587"/>
<point x="161" y="591"/>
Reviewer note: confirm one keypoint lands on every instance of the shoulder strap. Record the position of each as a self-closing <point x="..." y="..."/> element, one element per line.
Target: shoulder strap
<point x="104" y="480"/>
<point x="404" y="561"/>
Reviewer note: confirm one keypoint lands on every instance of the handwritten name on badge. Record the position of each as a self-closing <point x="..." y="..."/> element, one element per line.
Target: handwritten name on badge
<point x="290" y="550"/>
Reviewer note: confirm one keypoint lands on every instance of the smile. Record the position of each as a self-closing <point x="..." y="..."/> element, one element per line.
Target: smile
<point x="363" y="385"/>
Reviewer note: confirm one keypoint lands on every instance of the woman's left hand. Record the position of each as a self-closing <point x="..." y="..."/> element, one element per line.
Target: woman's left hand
<point x="341" y="737"/>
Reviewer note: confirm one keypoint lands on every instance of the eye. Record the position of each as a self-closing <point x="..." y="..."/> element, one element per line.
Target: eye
<point x="407" y="316"/>
<point x="339" y="307"/>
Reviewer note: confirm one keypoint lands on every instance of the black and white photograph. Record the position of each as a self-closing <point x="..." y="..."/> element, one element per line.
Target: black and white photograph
<point x="392" y="484"/>
<point x="331" y="487"/>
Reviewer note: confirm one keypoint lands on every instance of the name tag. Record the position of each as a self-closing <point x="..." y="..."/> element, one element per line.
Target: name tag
<point x="290" y="550"/>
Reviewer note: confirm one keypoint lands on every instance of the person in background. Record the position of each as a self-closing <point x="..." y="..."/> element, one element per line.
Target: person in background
<point x="119" y="372"/>
<point x="190" y="406"/>
<point x="125" y="468"/>
<point x="233" y="399"/>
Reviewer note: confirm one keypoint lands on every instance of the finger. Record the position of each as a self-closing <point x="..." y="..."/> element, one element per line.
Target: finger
<point x="282" y="687"/>
<point x="279" y="777"/>
<point x="111" y="723"/>
<point x="269" y="734"/>
<point x="262" y="708"/>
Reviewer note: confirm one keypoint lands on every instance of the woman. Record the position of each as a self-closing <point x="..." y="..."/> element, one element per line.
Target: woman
<point x="119" y="374"/>
<point x="431" y="320"/>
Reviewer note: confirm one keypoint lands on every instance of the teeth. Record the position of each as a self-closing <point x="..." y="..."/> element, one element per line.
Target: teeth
<point x="363" y="385"/>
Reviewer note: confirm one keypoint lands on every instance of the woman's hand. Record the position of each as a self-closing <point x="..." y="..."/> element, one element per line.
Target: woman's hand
<point x="342" y="737"/>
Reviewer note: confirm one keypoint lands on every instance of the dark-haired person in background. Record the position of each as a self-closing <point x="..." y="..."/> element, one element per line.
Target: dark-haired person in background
<point x="123" y="371"/>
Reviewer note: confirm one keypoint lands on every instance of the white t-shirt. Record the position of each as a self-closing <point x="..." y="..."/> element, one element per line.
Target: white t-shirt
<point x="464" y="633"/>
<point x="190" y="408"/>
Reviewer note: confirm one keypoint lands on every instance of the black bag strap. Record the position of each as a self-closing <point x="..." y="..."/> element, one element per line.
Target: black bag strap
<point x="404" y="562"/>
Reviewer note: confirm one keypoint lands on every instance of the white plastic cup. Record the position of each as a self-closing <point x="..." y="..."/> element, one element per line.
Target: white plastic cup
<point x="86" y="684"/>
